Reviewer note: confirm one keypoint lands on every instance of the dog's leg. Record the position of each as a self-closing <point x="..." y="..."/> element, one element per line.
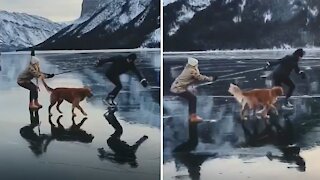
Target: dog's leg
<point x="58" y="105"/>
<point x="60" y="126"/>
<point x="80" y="108"/>
<point x="262" y="110"/>
<point x="275" y="109"/>
<point x="53" y="101"/>
<point x="265" y="113"/>
<point x="75" y="104"/>
<point x="242" y="112"/>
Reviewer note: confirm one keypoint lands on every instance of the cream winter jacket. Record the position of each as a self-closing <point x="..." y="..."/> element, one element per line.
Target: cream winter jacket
<point x="189" y="75"/>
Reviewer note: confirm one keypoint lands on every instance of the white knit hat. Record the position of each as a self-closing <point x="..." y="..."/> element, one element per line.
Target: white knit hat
<point x="34" y="60"/>
<point x="192" y="61"/>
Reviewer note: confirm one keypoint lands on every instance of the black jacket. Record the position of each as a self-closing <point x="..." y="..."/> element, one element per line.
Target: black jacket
<point x="119" y="66"/>
<point x="285" y="66"/>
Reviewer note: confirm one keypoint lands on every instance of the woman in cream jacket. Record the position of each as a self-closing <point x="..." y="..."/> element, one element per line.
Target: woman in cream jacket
<point x="189" y="75"/>
<point x="25" y="77"/>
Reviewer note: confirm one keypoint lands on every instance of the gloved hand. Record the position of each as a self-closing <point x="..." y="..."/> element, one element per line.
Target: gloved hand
<point x="302" y="75"/>
<point x="144" y="82"/>
<point x="213" y="78"/>
<point x="267" y="66"/>
<point x="49" y="76"/>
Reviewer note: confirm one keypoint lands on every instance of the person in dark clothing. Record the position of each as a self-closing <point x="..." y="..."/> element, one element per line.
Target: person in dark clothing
<point x="120" y="65"/>
<point x="281" y="74"/>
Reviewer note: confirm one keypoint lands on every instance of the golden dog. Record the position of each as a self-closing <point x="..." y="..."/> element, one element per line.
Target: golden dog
<point x="72" y="95"/>
<point x="255" y="98"/>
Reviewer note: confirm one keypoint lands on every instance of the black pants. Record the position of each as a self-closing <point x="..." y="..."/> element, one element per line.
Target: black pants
<point x="287" y="81"/>
<point x="116" y="81"/>
<point x="32" y="88"/>
<point x="192" y="100"/>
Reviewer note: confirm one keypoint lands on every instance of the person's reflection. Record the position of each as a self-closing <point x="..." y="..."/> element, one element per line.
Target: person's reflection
<point x="182" y="153"/>
<point x="37" y="142"/>
<point x="73" y="133"/>
<point x="122" y="152"/>
<point x="285" y="140"/>
<point x="282" y="137"/>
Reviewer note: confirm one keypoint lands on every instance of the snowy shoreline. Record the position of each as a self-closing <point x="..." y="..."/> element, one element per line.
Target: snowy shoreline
<point x="238" y="50"/>
<point x="86" y="51"/>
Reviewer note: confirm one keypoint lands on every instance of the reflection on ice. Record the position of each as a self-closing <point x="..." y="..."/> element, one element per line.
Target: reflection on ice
<point x="66" y="147"/>
<point x="122" y="152"/>
<point x="228" y="145"/>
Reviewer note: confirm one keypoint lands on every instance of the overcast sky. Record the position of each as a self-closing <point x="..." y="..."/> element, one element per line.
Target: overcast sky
<point x="55" y="10"/>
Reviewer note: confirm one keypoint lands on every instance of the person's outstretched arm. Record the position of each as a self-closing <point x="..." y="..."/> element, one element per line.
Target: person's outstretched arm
<point x="274" y="63"/>
<point x="196" y="74"/>
<point x="142" y="80"/>
<point x="101" y="62"/>
<point x="299" y="72"/>
<point x="47" y="76"/>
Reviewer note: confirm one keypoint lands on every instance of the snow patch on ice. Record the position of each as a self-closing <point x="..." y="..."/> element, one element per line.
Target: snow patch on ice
<point x="237" y="19"/>
<point x="267" y="16"/>
<point x="314" y="11"/>
<point x="242" y="5"/>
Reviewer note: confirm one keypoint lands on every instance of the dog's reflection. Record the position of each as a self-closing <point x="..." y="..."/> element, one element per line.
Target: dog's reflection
<point x="37" y="142"/>
<point x="73" y="133"/>
<point x="122" y="152"/>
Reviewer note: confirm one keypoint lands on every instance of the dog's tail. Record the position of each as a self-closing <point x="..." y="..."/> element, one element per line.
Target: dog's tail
<point x="49" y="89"/>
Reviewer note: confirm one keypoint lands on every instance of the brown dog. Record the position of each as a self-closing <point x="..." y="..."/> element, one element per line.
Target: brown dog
<point x="72" y="95"/>
<point x="257" y="97"/>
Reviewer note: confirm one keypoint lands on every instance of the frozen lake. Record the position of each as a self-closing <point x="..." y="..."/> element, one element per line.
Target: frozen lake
<point x="225" y="148"/>
<point x="50" y="151"/>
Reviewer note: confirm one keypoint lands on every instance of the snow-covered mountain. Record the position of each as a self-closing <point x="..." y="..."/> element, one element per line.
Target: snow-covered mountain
<point x="107" y="24"/>
<point x="240" y="24"/>
<point x="20" y="30"/>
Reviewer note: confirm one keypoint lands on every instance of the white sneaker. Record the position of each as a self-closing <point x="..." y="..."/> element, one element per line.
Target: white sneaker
<point x="289" y="104"/>
<point x="285" y="106"/>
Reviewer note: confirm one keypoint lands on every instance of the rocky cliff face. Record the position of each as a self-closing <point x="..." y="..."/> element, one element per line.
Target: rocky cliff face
<point x="90" y="6"/>
<point x="240" y="24"/>
<point x="117" y="24"/>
